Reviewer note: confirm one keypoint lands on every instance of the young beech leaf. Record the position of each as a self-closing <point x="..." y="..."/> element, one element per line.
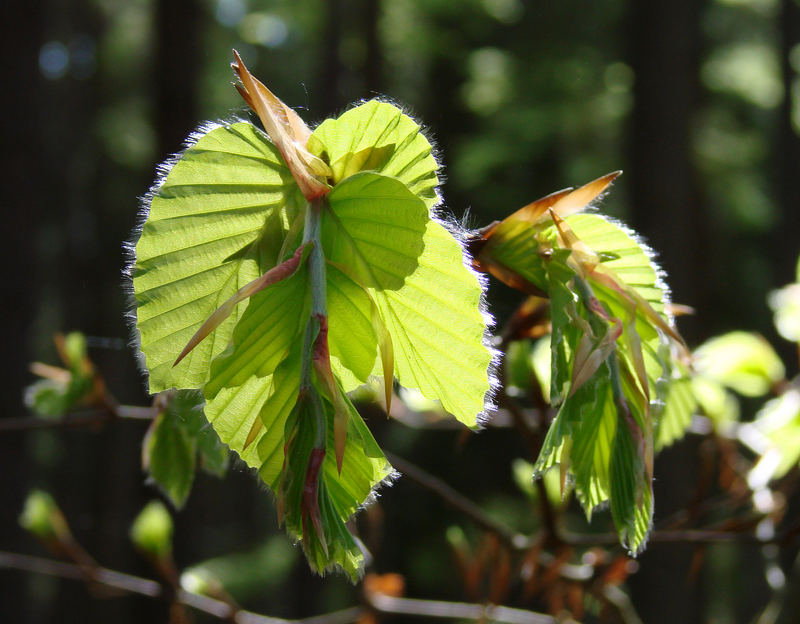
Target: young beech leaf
<point x="283" y="272"/>
<point x="428" y="300"/>
<point x="742" y="361"/>
<point x="215" y="223"/>
<point x="273" y="276"/>
<point x="377" y="136"/>
<point x="613" y="347"/>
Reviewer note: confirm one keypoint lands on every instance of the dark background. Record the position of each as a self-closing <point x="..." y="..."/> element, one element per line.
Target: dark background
<point x="698" y="101"/>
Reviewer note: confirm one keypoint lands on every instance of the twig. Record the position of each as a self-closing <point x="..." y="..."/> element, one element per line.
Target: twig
<point x="622" y="603"/>
<point x="222" y="610"/>
<point x="147" y="587"/>
<point x="456" y="610"/>
<point x="686" y="536"/>
<point x="85" y="418"/>
<point x="458" y="501"/>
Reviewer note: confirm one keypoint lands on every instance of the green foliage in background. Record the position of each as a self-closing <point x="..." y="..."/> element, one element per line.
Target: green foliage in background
<point x="178" y="439"/>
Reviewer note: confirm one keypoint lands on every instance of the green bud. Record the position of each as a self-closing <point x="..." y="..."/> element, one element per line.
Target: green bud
<point x="42" y="517"/>
<point x="151" y="531"/>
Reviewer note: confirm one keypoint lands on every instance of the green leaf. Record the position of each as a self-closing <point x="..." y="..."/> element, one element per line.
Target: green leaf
<point x="593" y="444"/>
<point x="742" y="361"/>
<point x="521" y="247"/>
<point x="428" y="299"/>
<point x="607" y="304"/>
<point x="170" y="449"/>
<point x="340" y="494"/>
<point x="676" y="415"/>
<point x="377" y="136"/>
<point x="564" y="337"/>
<point x="398" y="298"/>
<point x="621" y="252"/>
<point x="244" y="575"/>
<point x="242" y="377"/>
<point x="351" y="335"/>
<point x="785" y="303"/>
<point x="715" y="401"/>
<point x="215" y="223"/>
<point x="631" y="494"/>
<point x="775" y="436"/>
<point x="212" y="453"/>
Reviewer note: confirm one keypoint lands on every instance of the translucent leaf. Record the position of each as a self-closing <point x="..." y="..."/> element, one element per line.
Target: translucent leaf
<point x="428" y="299"/>
<point x="775" y="436"/>
<point x="340" y="493"/>
<point x="565" y="336"/>
<point x="398" y="298"/>
<point x="631" y="493"/>
<point x="622" y="253"/>
<point x="742" y="361"/>
<point x="785" y="303"/>
<point x="676" y="415"/>
<point x="581" y="439"/>
<point x="592" y="447"/>
<point x="242" y="377"/>
<point x="714" y="400"/>
<point x="351" y="335"/>
<point x="377" y="228"/>
<point x="607" y="306"/>
<point x="214" y="223"/>
<point x="377" y="136"/>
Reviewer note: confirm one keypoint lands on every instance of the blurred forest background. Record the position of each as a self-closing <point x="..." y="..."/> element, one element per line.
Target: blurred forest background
<point x="698" y="101"/>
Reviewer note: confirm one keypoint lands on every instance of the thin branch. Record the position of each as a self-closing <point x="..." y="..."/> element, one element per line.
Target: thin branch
<point x="622" y="603"/>
<point x="458" y="501"/>
<point x="147" y="587"/>
<point x="456" y="610"/>
<point x="84" y="418"/>
<point x="222" y="610"/>
<point x="686" y="536"/>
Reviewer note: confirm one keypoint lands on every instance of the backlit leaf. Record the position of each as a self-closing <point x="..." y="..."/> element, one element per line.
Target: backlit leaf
<point x="214" y="223"/>
<point x="742" y="361"/>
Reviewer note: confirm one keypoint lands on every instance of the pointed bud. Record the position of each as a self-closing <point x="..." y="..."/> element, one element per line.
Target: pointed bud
<point x="288" y="132"/>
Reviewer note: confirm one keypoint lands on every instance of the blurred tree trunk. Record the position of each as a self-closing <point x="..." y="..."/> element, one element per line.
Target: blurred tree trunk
<point x="176" y="72"/>
<point x="330" y="65"/>
<point x="786" y="241"/>
<point x="665" y="43"/>
<point x="373" y="63"/>
<point x="666" y="209"/>
<point x="22" y="167"/>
